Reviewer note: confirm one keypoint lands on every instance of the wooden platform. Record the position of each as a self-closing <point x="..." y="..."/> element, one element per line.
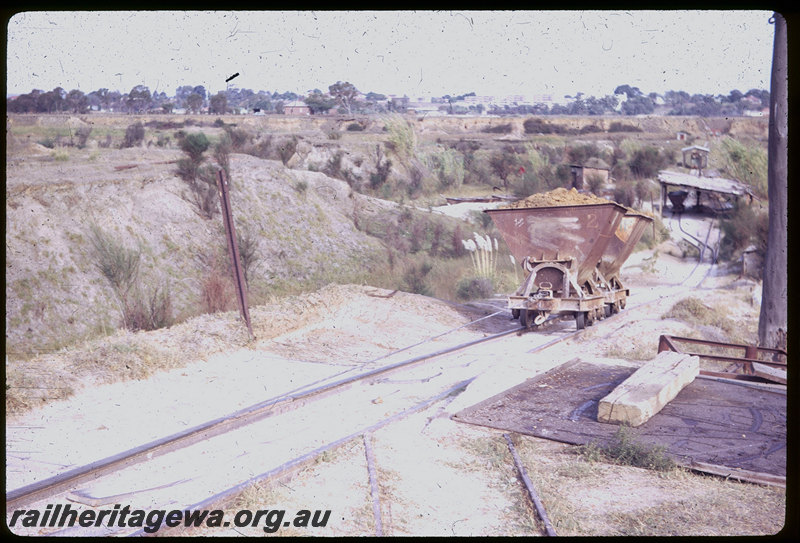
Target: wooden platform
<point x="648" y="389"/>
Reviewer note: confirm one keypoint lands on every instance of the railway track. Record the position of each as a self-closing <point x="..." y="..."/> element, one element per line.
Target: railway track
<point x="149" y="479"/>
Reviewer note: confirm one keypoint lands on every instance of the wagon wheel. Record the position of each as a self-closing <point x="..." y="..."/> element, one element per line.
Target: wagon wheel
<point x="622" y="303"/>
<point x="589" y="317"/>
<point x="580" y="320"/>
<point x="524" y="318"/>
<point x="607" y="308"/>
<point x="515" y="313"/>
<point x="615" y="307"/>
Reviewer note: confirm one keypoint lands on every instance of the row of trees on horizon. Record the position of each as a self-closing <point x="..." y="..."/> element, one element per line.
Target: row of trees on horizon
<point x="345" y="98"/>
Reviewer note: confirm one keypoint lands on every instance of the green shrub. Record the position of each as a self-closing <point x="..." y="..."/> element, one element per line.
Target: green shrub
<point x="239" y="138"/>
<point x="60" y="155"/>
<point x="163" y="140"/>
<point x="744" y="162"/>
<point x="625" y="193"/>
<point x="148" y="311"/>
<point x="562" y="176"/>
<point x="383" y="166"/>
<point x="415" y="278"/>
<point x="222" y="154"/>
<point x="201" y="179"/>
<point x="194" y="145"/>
<point x="646" y="190"/>
<point x="83" y="133"/>
<point x="745" y="226"/>
<point x="653" y="235"/>
<point x="134" y="135"/>
<point x="623" y="127"/>
<point x="646" y="162"/>
<point x="505" y="163"/>
<point x="539" y="126"/>
<point x="529" y="183"/>
<point x="248" y="246"/>
<point x="622" y="172"/>
<point x="595" y="181"/>
<point x="474" y="288"/>
<point x="187" y="169"/>
<point x="355" y="127"/>
<point x="579" y="154"/>
<point x="118" y="264"/>
<point x="624" y="450"/>
<point x="49" y="142"/>
<point x="402" y="137"/>
<point x="498" y="129"/>
<point x="448" y="165"/>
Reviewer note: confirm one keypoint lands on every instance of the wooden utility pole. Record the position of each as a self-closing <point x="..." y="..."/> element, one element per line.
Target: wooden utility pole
<point x="772" y="323"/>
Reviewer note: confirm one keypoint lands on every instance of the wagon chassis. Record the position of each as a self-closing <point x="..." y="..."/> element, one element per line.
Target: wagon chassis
<point x="535" y="301"/>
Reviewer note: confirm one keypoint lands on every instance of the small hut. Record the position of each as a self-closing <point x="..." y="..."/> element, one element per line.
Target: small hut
<point x="593" y="166"/>
<point x="698" y="157"/>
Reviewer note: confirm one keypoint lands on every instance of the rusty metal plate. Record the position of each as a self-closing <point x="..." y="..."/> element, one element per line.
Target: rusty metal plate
<point x="620" y="247"/>
<point x="709" y="421"/>
<point x="549" y="233"/>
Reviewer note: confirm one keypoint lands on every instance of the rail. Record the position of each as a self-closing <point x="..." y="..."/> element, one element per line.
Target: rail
<point x="18" y="498"/>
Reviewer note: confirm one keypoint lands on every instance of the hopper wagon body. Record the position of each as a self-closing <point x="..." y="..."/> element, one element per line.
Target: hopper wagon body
<point x="571" y="255"/>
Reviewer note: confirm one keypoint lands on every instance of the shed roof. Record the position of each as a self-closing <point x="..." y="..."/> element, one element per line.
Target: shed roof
<point x="696" y="147"/>
<point x="597" y="163"/>
<point x="295" y="103"/>
<point x="711" y="184"/>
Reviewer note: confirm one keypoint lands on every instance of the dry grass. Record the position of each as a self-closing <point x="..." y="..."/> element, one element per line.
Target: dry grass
<point x="128" y="355"/>
<point x="593" y="498"/>
<point x="300" y="491"/>
<point x="694" y="312"/>
<point x="631" y="351"/>
<point x="490" y="454"/>
<point x="724" y="508"/>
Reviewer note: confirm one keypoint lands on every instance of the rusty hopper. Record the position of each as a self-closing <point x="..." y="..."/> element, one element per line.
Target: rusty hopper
<point x="579" y="232"/>
<point x="621" y="245"/>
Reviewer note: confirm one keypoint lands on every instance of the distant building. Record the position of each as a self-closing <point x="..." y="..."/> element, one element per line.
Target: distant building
<point x="296" y="107"/>
<point x="682" y="135"/>
<point x="593" y="166"/>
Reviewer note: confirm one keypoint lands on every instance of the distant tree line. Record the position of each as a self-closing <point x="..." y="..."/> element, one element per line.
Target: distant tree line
<point x="346" y="99"/>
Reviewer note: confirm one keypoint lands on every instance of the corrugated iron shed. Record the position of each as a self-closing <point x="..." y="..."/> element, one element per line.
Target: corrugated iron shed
<point x="708" y="184"/>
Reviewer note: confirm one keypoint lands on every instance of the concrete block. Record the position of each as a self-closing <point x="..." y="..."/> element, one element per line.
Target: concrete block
<point x="649" y="389"/>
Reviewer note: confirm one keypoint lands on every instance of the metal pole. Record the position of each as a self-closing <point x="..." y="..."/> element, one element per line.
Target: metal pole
<point x="233" y="249"/>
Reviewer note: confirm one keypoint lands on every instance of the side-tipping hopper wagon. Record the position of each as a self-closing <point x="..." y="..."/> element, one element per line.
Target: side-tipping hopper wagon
<point x="563" y="248"/>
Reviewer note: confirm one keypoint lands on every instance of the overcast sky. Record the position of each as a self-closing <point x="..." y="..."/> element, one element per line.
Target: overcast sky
<point x="403" y="52"/>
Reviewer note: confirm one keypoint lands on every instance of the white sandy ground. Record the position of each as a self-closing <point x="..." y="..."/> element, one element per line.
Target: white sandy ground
<point x="426" y="469"/>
